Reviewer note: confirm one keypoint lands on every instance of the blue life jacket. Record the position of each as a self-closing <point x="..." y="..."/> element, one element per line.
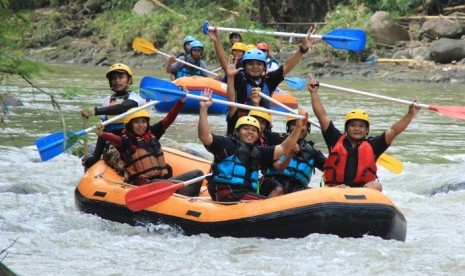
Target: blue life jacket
<point x="188" y="70"/>
<point x="265" y="90"/>
<point x="241" y="168"/>
<point x="301" y="166"/>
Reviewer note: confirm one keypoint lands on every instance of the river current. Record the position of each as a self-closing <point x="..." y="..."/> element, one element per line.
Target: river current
<point x="49" y="236"/>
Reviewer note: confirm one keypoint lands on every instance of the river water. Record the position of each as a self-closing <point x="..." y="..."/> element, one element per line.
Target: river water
<point x="54" y="238"/>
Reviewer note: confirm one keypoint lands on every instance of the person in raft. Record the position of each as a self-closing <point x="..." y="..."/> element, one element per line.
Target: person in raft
<point x="293" y="172"/>
<point x="141" y="151"/>
<point x="252" y="73"/>
<point x="352" y="156"/>
<point x="122" y="99"/>
<point x="237" y="159"/>
<point x="186" y="47"/>
<point x="194" y="57"/>
<point x="267" y="136"/>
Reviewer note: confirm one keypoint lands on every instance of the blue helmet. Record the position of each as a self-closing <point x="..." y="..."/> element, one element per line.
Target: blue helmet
<point x="254" y="54"/>
<point x="196" y="44"/>
<point x="188" y="39"/>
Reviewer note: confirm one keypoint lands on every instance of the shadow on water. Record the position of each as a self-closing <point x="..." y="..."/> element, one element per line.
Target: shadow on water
<point x="450" y="186"/>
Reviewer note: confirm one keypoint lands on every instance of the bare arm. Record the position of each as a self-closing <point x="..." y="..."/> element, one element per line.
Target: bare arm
<point x="231" y="72"/>
<point x="402" y="124"/>
<point x="292" y="61"/>
<point x="171" y="60"/>
<point x="317" y="105"/>
<point x="219" y="49"/>
<point x="289" y="143"/>
<point x="203" y="130"/>
<point x="282" y="165"/>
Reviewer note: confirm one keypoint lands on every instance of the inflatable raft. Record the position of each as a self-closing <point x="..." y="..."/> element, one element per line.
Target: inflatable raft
<point x="196" y="85"/>
<point x="349" y="212"/>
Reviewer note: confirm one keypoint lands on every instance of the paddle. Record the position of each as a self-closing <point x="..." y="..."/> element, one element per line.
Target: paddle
<point x="148" y="195"/>
<point x="146" y="47"/>
<point x="456" y="112"/>
<point x="344" y="39"/>
<point x="163" y="90"/>
<point x="391" y="163"/>
<point x="54" y="144"/>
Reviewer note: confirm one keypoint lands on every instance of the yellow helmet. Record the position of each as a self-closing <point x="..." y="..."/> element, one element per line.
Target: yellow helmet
<point x="139" y="114"/>
<point x="247" y="120"/>
<point x="358" y="114"/>
<point x="250" y="47"/>
<point x="296" y="111"/>
<point x="292" y="119"/>
<point x="239" y="46"/>
<point x="264" y="115"/>
<point x="119" y="67"/>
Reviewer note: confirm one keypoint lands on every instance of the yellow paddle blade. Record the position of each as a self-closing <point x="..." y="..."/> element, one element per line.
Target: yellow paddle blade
<point x="391" y="163"/>
<point x="143" y="46"/>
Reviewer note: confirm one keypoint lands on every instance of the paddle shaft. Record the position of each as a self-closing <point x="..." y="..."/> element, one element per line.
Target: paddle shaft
<point x="266" y="97"/>
<point x="189" y="64"/>
<point x="121" y="116"/>
<point x="245" y="106"/>
<point x="354" y="91"/>
<point x="148" y="195"/>
<point x="282" y="34"/>
<point x="109" y="121"/>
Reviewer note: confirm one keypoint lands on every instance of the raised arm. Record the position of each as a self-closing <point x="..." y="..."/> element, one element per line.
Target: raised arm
<point x="282" y="165"/>
<point x="203" y="129"/>
<point x="219" y="49"/>
<point x="317" y="105"/>
<point x="402" y="124"/>
<point x="292" y="61"/>
<point x="231" y="72"/>
<point x="289" y="143"/>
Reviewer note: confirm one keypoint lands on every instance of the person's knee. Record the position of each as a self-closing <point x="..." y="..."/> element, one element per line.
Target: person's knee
<point x="374" y="185"/>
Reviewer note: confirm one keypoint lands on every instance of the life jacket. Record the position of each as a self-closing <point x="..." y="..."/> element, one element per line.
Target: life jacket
<point x="143" y="157"/>
<point x="241" y="168"/>
<point x="334" y="168"/>
<point x="188" y="70"/>
<point x="300" y="168"/>
<point x="265" y="90"/>
<point x="111" y="101"/>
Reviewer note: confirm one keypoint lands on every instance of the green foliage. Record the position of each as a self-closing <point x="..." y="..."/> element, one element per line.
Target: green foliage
<point x="119" y="4"/>
<point x="395" y="7"/>
<point x="13" y="61"/>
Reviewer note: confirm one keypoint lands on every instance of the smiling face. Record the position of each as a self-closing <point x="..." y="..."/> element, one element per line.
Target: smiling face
<point x="357" y="130"/>
<point x="139" y="125"/>
<point x="247" y="134"/>
<point x="254" y="68"/>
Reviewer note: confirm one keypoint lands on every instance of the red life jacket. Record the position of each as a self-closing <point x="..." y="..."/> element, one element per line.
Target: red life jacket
<point x="334" y="168"/>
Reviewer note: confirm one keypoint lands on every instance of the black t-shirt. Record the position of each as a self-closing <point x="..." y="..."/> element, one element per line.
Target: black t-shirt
<point x="272" y="79"/>
<point x="224" y="146"/>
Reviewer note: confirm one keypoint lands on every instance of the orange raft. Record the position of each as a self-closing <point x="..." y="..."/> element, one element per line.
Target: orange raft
<point x="350" y="212"/>
<point x="197" y="84"/>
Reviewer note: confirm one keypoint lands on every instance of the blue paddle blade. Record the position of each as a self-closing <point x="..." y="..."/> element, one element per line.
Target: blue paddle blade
<point x="346" y="39"/>
<point x="159" y="90"/>
<point x="54" y="144"/>
<point x="295" y="82"/>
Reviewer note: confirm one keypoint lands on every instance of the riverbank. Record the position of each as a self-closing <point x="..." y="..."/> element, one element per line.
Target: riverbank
<point x="88" y="52"/>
